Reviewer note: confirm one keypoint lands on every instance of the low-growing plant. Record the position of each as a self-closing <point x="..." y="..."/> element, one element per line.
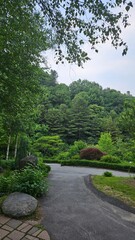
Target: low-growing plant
<point x="110" y="159"/>
<point x="44" y="168"/>
<point x="30" y="180"/>
<point x="107" y="174"/>
<point x="6" y="184"/>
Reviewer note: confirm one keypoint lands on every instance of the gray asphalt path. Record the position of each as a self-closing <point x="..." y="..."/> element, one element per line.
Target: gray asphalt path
<point x="72" y="212"/>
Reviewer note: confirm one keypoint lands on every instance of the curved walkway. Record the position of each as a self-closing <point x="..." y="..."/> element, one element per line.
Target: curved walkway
<point x="71" y="211"/>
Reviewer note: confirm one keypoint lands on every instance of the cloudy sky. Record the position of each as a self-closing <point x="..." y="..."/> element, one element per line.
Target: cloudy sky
<point x="107" y="67"/>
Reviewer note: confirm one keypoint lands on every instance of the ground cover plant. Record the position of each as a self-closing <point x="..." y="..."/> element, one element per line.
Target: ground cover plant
<point x="30" y="180"/>
<point x="122" y="188"/>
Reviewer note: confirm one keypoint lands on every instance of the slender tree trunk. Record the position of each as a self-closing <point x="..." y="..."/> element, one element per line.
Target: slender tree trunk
<point x="8" y="147"/>
<point x="16" y="147"/>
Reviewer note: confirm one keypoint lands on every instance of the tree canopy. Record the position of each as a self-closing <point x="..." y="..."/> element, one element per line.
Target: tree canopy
<point x="75" y="22"/>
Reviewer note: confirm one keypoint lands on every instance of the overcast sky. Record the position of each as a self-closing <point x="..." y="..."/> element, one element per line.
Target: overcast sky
<point x="107" y="67"/>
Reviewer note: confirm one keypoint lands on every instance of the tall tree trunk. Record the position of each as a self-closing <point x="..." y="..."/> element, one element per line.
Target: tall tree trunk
<point x="8" y="147"/>
<point x="16" y="146"/>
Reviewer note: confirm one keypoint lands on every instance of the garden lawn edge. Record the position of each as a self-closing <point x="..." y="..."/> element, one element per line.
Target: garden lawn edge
<point x="114" y="201"/>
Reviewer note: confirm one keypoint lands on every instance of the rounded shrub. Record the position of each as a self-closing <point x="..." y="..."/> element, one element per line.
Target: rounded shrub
<point x="107" y="174"/>
<point x="91" y="154"/>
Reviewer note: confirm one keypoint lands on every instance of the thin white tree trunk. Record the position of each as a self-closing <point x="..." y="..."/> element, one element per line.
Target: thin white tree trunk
<point x="8" y="147"/>
<point x="16" y="147"/>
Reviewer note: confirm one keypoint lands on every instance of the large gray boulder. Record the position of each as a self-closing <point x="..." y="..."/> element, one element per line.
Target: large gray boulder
<point x="28" y="160"/>
<point x="19" y="204"/>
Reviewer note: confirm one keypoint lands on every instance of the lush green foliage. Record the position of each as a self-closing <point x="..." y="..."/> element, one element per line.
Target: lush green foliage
<point x="110" y="159"/>
<point x="10" y="164"/>
<point x="29" y="180"/>
<point x="73" y="28"/>
<point x="33" y="105"/>
<point x="97" y="164"/>
<point x="107" y="174"/>
<point x="48" y="145"/>
<point x="105" y="143"/>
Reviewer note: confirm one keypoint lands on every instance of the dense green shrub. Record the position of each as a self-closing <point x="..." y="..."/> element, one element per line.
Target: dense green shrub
<point x="29" y="180"/>
<point x="107" y="174"/>
<point x="75" y="157"/>
<point x="63" y="156"/>
<point x="105" y="143"/>
<point x="91" y="154"/>
<point x="48" y="146"/>
<point x="53" y="161"/>
<point x="8" y="164"/>
<point x="110" y="159"/>
<point x="44" y="168"/>
<point x="72" y="152"/>
<point x="76" y="147"/>
<point x="98" y="164"/>
<point x="6" y="184"/>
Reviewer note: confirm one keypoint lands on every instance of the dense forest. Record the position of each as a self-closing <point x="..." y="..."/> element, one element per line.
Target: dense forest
<point x="62" y="115"/>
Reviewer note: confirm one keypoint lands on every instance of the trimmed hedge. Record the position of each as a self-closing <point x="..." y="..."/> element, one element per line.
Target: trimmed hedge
<point x="52" y="161"/>
<point x="97" y="164"/>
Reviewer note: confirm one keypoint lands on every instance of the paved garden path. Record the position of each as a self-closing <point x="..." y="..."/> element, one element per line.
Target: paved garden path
<point x="71" y="211"/>
<point x="13" y="229"/>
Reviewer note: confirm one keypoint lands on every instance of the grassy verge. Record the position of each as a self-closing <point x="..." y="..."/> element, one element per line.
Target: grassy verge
<point x="122" y="188"/>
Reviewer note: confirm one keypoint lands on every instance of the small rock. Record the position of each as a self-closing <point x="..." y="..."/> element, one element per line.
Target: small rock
<point x="19" y="204"/>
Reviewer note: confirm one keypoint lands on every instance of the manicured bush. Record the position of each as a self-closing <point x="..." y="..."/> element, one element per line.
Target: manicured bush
<point x="110" y="159"/>
<point x="98" y="164"/>
<point x="107" y="174"/>
<point x="91" y="154"/>
<point x="52" y="161"/>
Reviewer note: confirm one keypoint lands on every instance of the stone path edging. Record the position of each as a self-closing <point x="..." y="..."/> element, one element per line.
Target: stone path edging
<point x="13" y="229"/>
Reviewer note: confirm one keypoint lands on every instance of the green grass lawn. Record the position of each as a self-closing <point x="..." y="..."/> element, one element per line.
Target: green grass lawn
<point x="122" y="188"/>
